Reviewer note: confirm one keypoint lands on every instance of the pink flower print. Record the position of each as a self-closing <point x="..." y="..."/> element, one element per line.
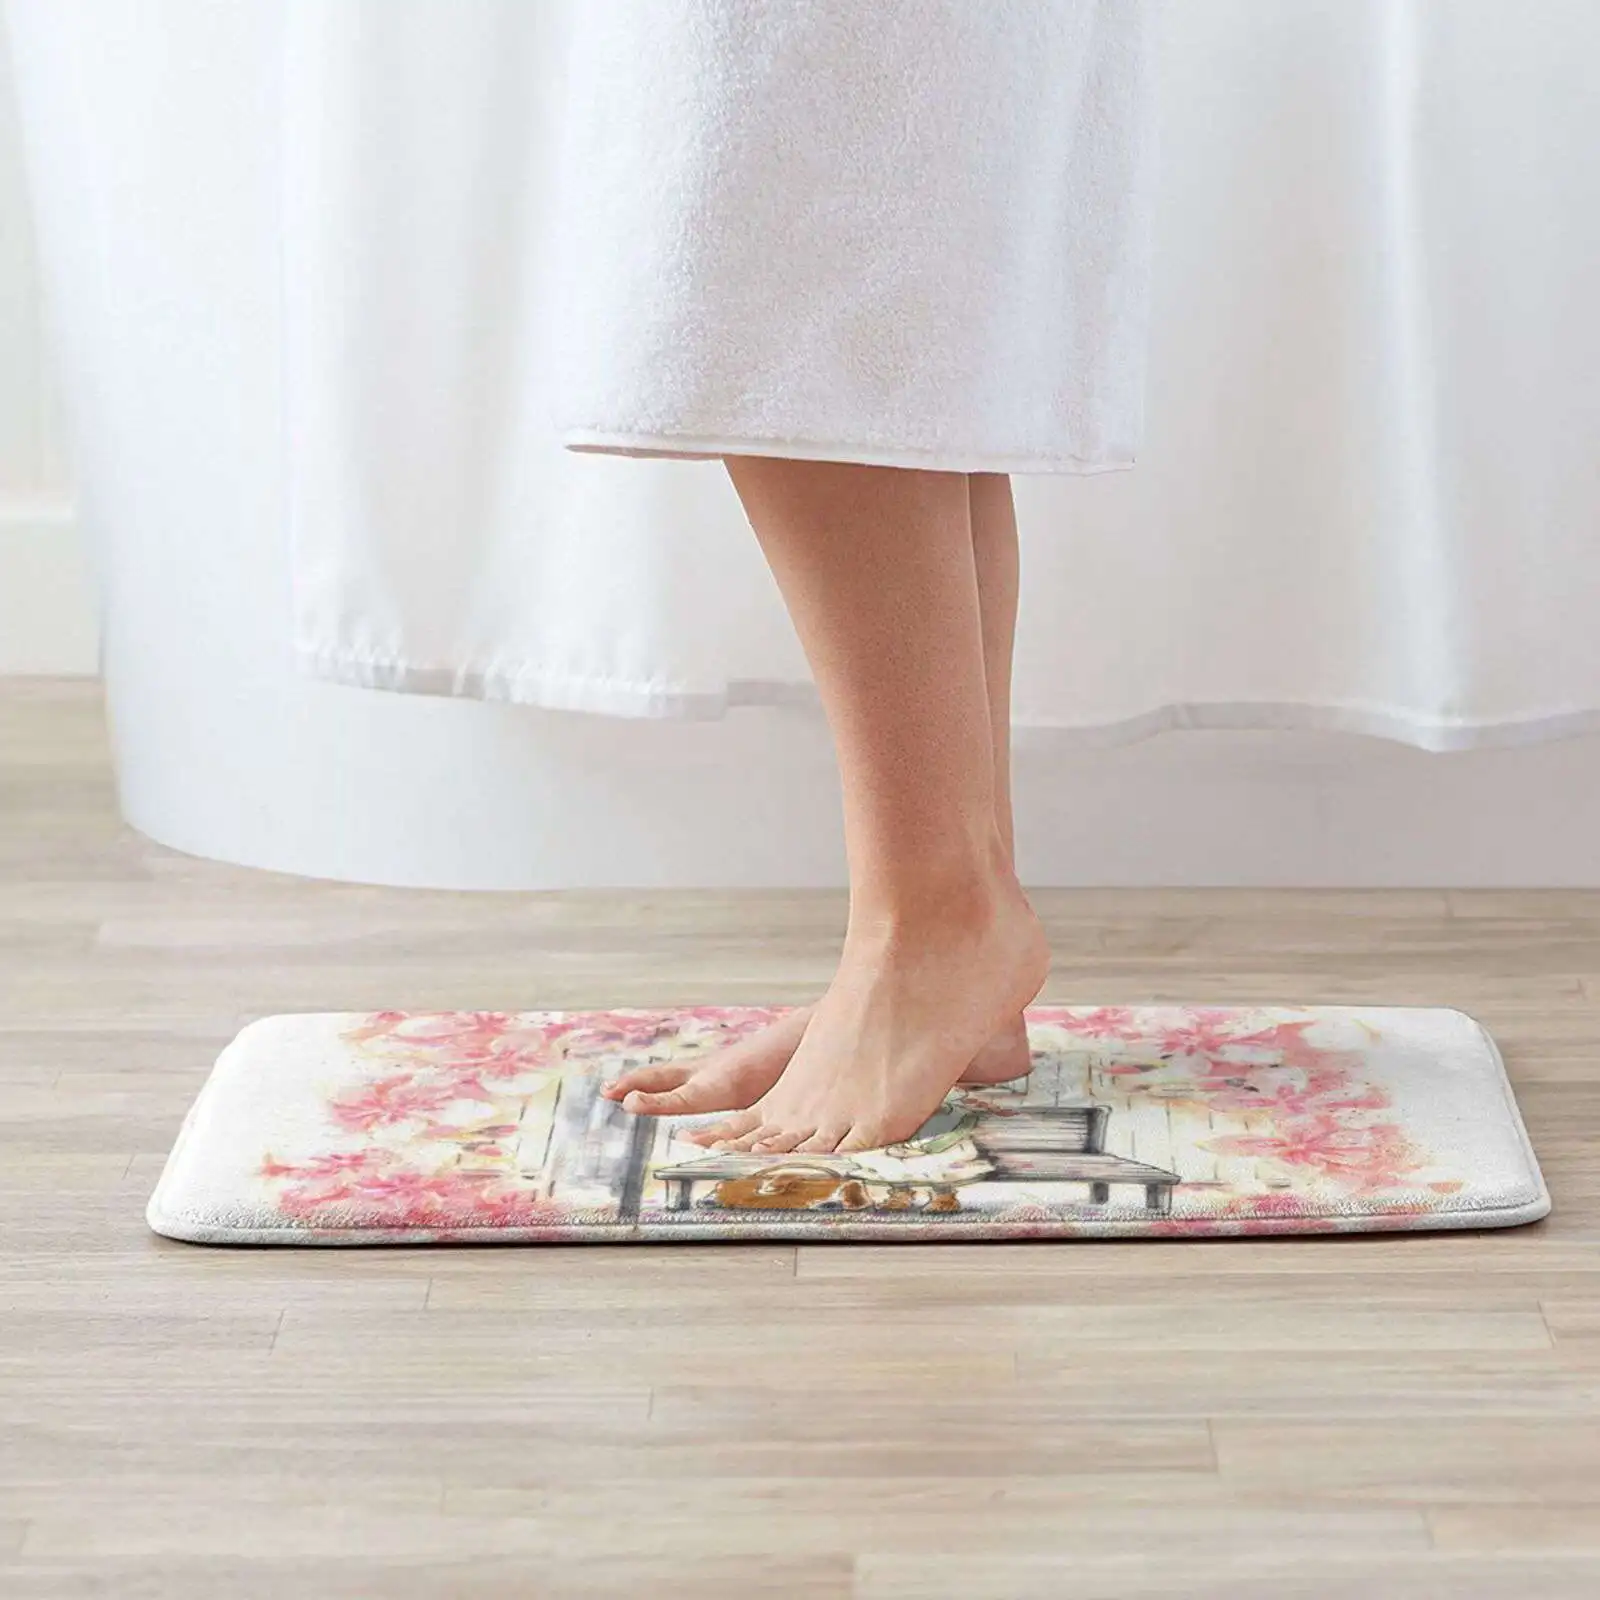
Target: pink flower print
<point x="389" y="1100"/>
<point x="706" y="1028"/>
<point x="396" y="1196"/>
<point x="735" y="1019"/>
<point x="1205" y="1028"/>
<point x="1361" y="1158"/>
<point x="466" y="1033"/>
<point x="520" y="1047"/>
<point x="1287" y="1092"/>
<point x="1128" y="1069"/>
<point x="1295" y="1143"/>
<point x="378" y="1025"/>
<point x="616" y="1033"/>
<point x="371" y="1188"/>
<point x="506" y="1206"/>
<point x="1219" y="1036"/>
<point x="491" y="1129"/>
<point x="492" y="1040"/>
<point x="324" y="1178"/>
<point x="1095" y="1022"/>
<point x="375" y="1196"/>
<point x="1210" y="1032"/>
<point x="498" y="1044"/>
<point x="330" y="1165"/>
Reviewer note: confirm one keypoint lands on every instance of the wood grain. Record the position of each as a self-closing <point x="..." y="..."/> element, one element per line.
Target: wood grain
<point x="1321" y="1417"/>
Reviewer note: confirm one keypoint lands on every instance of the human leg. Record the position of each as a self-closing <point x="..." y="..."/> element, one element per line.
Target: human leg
<point x="878" y="569"/>
<point x="735" y="1075"/>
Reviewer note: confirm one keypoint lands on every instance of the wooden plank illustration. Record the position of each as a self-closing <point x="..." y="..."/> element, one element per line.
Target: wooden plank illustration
<point x="1191" y="1123"/>
<point x="1236" y="1171"/>
<point x="1149" y="1122"/>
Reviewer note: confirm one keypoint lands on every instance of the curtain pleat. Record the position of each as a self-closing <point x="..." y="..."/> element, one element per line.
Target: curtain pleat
<point x="1369" y="494"/>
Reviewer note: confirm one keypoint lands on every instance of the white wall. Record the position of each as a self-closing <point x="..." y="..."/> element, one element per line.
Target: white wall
<point x="1182" y="808"/>
<point x="46" y="605"/>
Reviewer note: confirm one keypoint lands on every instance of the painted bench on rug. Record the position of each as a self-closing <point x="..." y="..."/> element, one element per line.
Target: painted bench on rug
<point x="1031" y="1144"/>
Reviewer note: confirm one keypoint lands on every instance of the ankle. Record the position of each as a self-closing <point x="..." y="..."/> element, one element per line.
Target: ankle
<point x="967" y="900"/>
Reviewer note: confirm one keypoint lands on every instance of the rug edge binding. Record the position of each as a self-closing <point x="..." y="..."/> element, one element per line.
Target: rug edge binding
<point x="173" y="1225"/>
<point x="197" y="1231"/>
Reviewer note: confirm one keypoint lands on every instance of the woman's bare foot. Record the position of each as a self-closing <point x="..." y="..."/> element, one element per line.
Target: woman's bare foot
<point x="908" y="1010"/>
<point x="737" y="1075"/>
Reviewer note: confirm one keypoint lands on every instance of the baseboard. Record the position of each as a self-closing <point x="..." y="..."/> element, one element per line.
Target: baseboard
<point x="48" y="606"/>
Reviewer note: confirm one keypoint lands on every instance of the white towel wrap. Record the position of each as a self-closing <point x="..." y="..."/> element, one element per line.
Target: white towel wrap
<point x="912" y="233"/>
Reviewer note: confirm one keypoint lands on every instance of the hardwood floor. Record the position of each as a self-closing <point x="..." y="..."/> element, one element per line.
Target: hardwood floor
<point x="1377" y="1417"/>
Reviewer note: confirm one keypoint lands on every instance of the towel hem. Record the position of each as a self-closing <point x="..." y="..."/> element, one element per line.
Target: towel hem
<point x="696" y="447"/>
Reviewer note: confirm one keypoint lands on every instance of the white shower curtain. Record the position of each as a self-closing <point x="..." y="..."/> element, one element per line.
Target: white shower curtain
<point x="1370" y="490"/>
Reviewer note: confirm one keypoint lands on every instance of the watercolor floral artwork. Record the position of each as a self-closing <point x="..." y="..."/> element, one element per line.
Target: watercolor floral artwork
<point x="1161" y="1121"/>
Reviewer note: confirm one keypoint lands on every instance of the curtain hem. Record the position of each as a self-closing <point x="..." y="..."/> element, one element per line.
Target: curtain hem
<point x="640" y="700"/>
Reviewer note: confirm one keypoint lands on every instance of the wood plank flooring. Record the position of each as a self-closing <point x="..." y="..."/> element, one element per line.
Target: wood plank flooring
<point x="1332" y="1418"/>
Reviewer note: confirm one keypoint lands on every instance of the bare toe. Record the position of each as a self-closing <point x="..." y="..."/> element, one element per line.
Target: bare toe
<point x="680" y="1102"/>
<point x="657" y="1076"/>
<point x="821" y="1142"/>
<point x="782" y="1143"/>
<point x="729" y="1128"/>
<point x="864" y="1136"/>
<point x="745" y="1143"/>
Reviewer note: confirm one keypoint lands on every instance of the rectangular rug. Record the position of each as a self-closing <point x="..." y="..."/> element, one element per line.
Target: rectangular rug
<point x="1143" y="1121"/>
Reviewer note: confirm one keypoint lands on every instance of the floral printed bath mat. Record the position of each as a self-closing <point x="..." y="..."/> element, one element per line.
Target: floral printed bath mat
<point x="1142" y="1121"/>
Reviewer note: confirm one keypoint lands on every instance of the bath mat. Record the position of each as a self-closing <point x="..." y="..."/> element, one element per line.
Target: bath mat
<point x="1158" y="1121"/>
